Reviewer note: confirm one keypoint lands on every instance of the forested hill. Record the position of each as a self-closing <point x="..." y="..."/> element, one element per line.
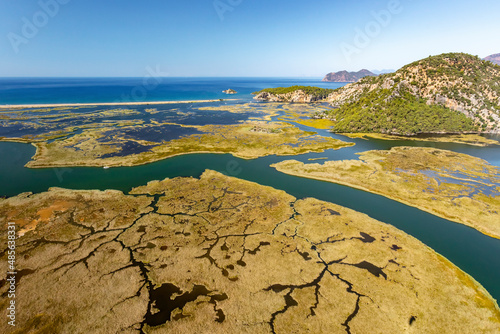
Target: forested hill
<point x="452" y="92"/>
<point x="303" y="94"/>
<point x="448" y="93"/>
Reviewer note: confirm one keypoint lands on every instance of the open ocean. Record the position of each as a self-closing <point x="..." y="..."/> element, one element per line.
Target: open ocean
<point x="98" y="90"/>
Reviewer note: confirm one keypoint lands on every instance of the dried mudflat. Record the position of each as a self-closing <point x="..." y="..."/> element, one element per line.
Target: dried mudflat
<point x="223" y="255"/>
<point x="451" y="185"/>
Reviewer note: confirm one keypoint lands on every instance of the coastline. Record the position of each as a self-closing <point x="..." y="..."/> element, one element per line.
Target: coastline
<point x="55" y="105"/>
<point x="17" y="140"/>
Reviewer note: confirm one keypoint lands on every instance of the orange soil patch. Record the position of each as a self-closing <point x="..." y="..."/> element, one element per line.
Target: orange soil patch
<point x="44" y="215"/>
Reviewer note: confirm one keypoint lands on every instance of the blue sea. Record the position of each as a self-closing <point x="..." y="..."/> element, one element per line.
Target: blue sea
<point x="99" y="90"/>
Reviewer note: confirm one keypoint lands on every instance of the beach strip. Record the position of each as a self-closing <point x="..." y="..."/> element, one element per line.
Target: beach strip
<point x="55" y="105"/>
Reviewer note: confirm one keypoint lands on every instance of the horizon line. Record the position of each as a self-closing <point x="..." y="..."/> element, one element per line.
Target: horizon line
<point x="140" y="77"/>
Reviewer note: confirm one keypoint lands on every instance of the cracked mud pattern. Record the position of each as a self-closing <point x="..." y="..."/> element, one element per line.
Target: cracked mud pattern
<point x="223" y="255"/>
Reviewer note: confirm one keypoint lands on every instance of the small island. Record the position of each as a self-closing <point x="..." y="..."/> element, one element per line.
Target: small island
<point x="230" y="91"/>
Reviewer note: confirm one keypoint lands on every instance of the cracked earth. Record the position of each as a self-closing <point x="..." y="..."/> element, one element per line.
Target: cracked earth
<point x="223" y="255"/>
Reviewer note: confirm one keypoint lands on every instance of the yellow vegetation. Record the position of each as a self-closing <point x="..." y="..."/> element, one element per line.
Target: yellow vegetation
<point x="444" y="183"/>
<point x="223" y="255"/>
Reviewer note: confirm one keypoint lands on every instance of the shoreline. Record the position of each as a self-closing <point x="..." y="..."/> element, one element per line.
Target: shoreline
<point x="17" y="140"/>
<point x="454" y="138"/>
<point x="53" y="105"/>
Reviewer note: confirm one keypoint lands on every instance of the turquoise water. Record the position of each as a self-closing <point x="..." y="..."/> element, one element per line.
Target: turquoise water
<point x="470" y="250"/>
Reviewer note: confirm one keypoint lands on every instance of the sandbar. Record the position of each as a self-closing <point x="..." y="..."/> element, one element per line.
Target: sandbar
<point x="54" y="105"/>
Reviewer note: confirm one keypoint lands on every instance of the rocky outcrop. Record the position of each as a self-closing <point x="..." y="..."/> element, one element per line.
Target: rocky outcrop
<point x="344" y="76"/>
<point x="298" y="96"/>
<point x="229" y="91"/>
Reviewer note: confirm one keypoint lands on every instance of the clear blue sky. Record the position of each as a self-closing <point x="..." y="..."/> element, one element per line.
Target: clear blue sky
<point x="254" y="38"/>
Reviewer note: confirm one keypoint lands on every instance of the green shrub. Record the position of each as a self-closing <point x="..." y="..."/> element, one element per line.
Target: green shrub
<point x="404" y="115"/>
<point x="310" y="90"/>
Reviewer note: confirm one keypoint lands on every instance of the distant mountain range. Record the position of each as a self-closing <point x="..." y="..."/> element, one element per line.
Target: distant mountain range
<point x="384" y="71"/>
<point x="495" y="59"/>
<point x="344" y="76"/>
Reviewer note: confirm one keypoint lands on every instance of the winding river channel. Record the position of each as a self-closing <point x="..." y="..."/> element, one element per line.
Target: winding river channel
<point x="475" y="253"/>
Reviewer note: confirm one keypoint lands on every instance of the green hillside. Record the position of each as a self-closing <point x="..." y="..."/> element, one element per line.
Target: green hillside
<point x="320" y="93"/>
<point x="405" y="115"/>
<point x="452" y="92"/>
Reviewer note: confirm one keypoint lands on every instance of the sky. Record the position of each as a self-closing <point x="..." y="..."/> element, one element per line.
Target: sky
<point x="236" y="38"/>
